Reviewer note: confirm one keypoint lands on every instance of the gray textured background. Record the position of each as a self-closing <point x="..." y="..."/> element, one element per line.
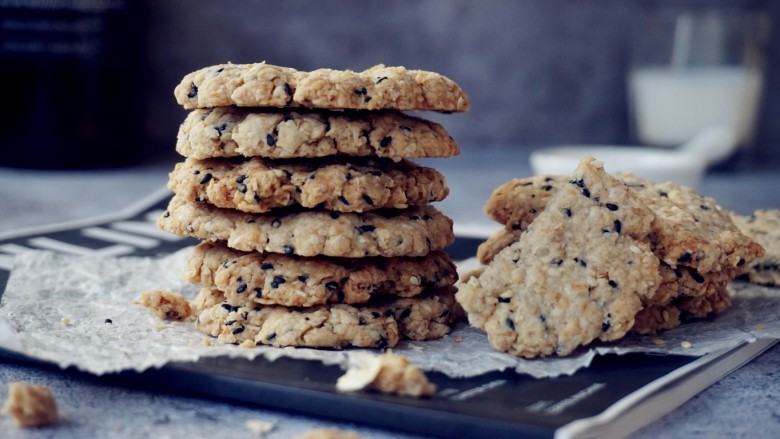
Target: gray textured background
<point x="537" y="72"/>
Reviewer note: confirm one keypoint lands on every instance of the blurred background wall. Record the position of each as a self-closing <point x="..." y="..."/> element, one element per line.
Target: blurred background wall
<point x="538" y="72"/>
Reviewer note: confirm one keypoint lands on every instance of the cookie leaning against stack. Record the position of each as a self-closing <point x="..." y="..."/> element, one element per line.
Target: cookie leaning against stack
<point x="317" y="230"/>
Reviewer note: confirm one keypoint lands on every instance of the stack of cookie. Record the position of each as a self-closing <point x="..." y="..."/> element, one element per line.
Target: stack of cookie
<point x="317" y="230"/>
<point x="594" y="256"/>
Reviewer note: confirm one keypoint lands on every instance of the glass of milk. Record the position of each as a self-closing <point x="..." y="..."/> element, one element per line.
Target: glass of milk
<point x="694" y="69"/>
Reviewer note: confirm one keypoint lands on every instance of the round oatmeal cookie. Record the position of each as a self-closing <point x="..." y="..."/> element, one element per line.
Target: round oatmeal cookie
<point x="415" y="231"/>
<point x="378" y="324"/>
<point x="342" y="185"/>
<point x="283" y="134"/>
<point x="276" y="279"/>
<point x="764" y="227"/>
<point x="266" y="85"/>
<point x="579" y="273"/>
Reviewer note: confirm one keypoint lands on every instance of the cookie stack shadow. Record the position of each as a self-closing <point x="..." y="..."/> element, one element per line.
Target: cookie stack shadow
<point x="316" y="230"/>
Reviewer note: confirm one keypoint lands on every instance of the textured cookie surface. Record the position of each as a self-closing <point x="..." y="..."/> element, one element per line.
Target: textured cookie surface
<point x="232" y="131"/>
<point x="415" y="231"/>
<point x="276" y="279"/>
<point x="379" y="324"/>
<point x="764" y="227"/>
<point x="265" y="85"/>
<point x="690" y="229"/>
<point x="343" y="185"/>
<point x="579" y="273"/>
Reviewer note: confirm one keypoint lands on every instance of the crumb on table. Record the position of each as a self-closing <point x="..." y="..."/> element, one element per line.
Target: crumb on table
<point x="388" y="373"/>
<point x="30" y="405"/>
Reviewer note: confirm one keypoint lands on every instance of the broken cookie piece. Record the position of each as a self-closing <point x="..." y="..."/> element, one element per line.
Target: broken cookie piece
<point x="166" y="305"/>
<point x="30" y="405"/>
<point x="579" y="273"/>
<point x="387" y="373"/>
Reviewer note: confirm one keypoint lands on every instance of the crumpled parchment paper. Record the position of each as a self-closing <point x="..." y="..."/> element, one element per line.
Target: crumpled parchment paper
<point x="80" y="311"/>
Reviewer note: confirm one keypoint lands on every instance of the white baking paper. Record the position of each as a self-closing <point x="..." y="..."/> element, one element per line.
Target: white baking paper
<point x="80" y="311"/>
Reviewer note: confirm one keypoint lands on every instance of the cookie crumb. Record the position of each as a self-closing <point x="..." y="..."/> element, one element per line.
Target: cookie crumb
<point x="205" y="342"/>
<point x="166" y="305"/>
<point x="248" y="344"/>
<point x="30" y="405"/>
<point x="686" y="344"/>
<point x="258" y="426"/>
<point x="329" y="433"/>
<point x="415" y="347"/>
<point x="387" y="373"/>
<point x="658" y="342"/>
<point x="457" y="339"/>
<point x="758" y="327"/>
<point x="65" y="321"/>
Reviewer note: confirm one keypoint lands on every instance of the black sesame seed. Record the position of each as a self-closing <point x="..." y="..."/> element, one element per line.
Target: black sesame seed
<point x="343" y="200"/>
<point x="504" y="299"/>
<point x="220" y="129"/>
<point x="348" y="176"/>
<point x="277" y="280"/>
<point x="618" y="226"/>
<point x="605" y="326"/>
<point x="288" y="249"/>
<point x="741" y="262"/>
<point x="196" y="172"/>
<point x="547" y="187"/>
<point x="697" y="277"/>
<point x="404" y="128"/>
<point x="556" y="261"/>
<point x="303" y="277"/>
<point x="381" y="79"/>
<point x="269" y="139"/>
<point x="332" y="286"/>
<point x="258" y="292"/>
<point x="361" y="91"/>
<point x="361" y="321"/>
<point x="238" y="330"/>
<point x="612" y="207"/>
<point x="266" y="266"/>
<point x="510" y="323"/>
<point x="241" y="288"/>
<point x="586" y="192"/>
<point x="368" y="200"/>
<point x="382" y="343"/>
<point x="109" y="321"/>
<point x="193" y="91"/>
<point x="271" y="336"/>
<point x="335" y="215"/>
<point x="405" y="313"/>
<point x="375" y="314"/>
<point x="366" y="228"/>
<point x="385" y="142"/>
<point x="206" y="178"/>
<point x="612" y="283"/>
<point x="288" y="89"/>
<point x="242" y="188"/>
<point x="276" y="223"/>
<point x="663" y="194"/>
<point x="685" y="257"/>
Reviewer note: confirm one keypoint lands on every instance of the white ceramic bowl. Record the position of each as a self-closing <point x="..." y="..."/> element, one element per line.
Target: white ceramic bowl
<point x="655" y="164"/>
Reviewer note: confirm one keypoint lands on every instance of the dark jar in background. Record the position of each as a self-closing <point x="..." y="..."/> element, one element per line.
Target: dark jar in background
<point x="69" y="74"/>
